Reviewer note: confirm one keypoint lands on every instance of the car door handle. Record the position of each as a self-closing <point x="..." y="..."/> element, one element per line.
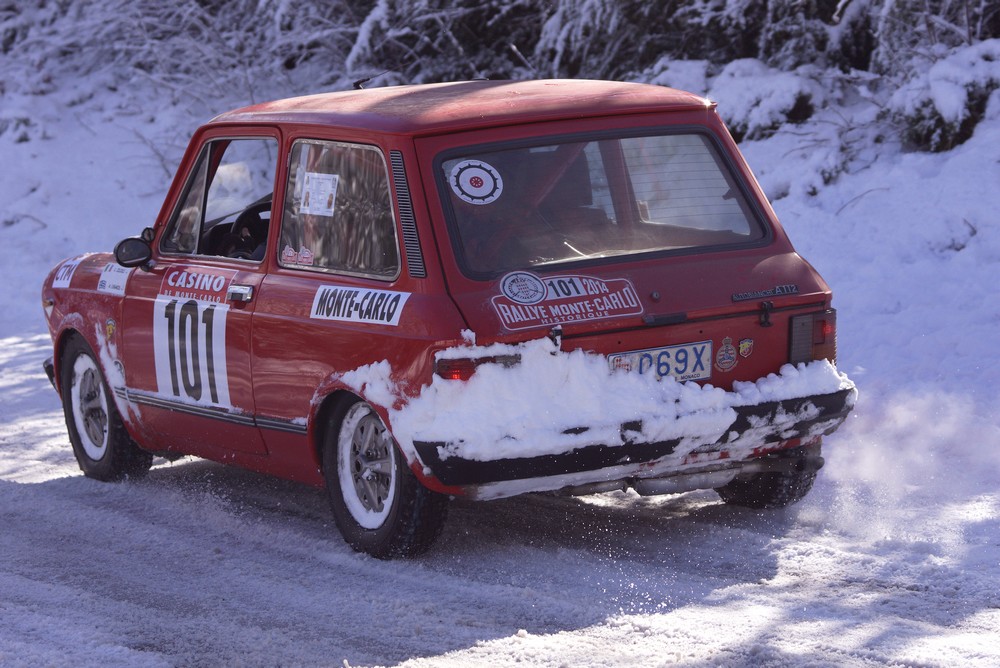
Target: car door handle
<point x="239" y="293"/>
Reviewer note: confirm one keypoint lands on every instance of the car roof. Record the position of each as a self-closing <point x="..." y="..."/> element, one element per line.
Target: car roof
<point x="434" y="108"/>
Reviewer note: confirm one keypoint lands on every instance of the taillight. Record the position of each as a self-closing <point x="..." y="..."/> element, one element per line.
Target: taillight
<point x="813" y="337"/>
<point x="462" y="368"/>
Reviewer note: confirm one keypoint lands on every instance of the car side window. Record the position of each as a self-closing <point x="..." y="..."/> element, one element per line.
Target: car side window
<point x="226" y="206"/>
<point x="337" y="213"/>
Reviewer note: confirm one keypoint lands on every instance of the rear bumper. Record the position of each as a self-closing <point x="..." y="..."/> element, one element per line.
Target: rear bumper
<point x="754" y="428"/>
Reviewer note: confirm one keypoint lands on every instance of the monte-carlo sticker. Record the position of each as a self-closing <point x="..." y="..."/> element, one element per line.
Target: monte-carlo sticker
<point x="379" y="307"/>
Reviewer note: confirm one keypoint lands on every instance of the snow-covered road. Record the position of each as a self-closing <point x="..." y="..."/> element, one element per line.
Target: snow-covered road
<point x="204" y="565"/>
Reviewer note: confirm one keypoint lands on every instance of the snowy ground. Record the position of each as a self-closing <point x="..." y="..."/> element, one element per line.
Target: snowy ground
<point x="893" y="560"/>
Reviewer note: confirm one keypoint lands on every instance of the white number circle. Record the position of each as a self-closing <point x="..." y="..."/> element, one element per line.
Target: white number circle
<point x="476" y="182"/>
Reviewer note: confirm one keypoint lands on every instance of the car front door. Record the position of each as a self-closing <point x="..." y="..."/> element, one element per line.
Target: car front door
<point x="187" y="319"/>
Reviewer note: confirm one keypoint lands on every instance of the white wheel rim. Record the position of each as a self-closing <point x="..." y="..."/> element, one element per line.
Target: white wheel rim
<point x="366" y="466"/>
<point x="90" y="407"/>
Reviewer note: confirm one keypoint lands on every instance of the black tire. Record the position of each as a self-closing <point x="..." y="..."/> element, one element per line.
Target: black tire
<point x="774" y="489"/>
<point x="378" y="504"/>
<point x="102" y="446"/>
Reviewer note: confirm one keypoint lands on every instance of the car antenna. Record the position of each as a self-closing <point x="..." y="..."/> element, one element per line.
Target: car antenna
<point x="520" y="56"/>
<point x="360" y="83"/>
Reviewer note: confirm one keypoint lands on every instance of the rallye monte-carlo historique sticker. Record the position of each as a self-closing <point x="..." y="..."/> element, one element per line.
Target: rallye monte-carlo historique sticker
<point x="529" y="301"/>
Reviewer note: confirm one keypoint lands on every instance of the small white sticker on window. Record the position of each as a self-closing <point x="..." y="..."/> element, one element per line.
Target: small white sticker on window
<point x="476" y="182"/>
<point x="319" y="193"/>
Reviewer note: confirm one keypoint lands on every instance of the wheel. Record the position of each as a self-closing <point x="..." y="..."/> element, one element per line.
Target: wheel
<point x="775" y="489"/>
<point x="102" y="447"/>
<point x="378" y="504"/>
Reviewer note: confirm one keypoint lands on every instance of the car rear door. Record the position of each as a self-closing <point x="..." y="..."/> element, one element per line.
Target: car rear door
<point x="339" y="298"/>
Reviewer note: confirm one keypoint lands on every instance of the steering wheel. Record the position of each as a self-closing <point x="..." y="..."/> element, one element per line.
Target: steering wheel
<point x="248" y="231"/>
<point x="251" y="217"/>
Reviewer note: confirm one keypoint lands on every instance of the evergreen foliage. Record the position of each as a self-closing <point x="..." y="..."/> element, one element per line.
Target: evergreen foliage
<point x="256" y="49"/>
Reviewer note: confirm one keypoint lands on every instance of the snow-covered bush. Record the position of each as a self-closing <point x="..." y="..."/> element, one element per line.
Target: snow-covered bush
<point x="795" y="33"/>
<point x="904" y="30"/>
<point x="615" y="39"/>
<point x="579" y="36"/>
<point x="207" y="55"/>
<point x="422" y="41"/>
<point x="689" y="75"/>
<point x="190" y="49"/>
<point x="939" y="107"/>
<point x="756" y="100"/>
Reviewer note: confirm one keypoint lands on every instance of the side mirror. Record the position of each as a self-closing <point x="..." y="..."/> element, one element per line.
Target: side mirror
<point x="133" y="252"/>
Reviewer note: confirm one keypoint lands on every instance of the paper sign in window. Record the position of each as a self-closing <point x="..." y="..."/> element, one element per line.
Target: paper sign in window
<point x="319" y="193"/>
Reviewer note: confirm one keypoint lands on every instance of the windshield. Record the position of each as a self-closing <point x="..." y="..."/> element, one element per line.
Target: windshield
<point x="534" y="206"/>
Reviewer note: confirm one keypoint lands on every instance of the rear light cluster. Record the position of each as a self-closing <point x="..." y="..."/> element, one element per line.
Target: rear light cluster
<point x="462" y="368"/>
<point x="813" y="337"/>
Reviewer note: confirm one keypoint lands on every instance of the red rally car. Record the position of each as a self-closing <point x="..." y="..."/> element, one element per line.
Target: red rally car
<point x="474" y="289"/>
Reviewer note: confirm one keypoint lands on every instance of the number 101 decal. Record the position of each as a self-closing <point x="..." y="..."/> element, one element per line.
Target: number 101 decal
<point x="189" y="343"/>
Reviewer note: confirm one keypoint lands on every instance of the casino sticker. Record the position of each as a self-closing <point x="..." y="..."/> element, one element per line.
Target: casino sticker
<point x="476" y="182"/>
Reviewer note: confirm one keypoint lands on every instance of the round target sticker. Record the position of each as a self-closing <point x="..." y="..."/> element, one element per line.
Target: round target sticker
<point x="476" y="182"/>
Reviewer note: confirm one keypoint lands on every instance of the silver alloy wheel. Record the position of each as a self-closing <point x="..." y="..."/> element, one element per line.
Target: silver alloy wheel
<point x="366" y="466"/>
<point x="90" y="407"/>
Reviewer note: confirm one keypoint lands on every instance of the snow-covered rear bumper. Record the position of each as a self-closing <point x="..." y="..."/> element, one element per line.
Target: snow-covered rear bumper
<point x="754" y="428"/>
<point x="566" y="420"/>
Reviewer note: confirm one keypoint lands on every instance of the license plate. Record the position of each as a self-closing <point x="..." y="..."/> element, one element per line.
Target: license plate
<point x="687" y="361"/>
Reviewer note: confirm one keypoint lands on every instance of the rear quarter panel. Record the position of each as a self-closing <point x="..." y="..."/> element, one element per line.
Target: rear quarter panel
<point x="302" y="355"/>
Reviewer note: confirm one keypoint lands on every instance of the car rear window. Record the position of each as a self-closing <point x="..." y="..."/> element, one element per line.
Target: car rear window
<point x="590" y="200"/>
